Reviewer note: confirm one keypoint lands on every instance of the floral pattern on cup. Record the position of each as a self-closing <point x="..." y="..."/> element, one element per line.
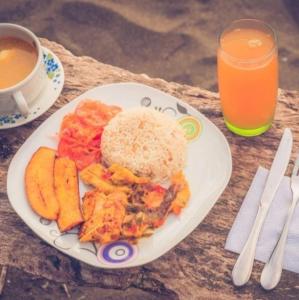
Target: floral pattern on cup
<point x="13" y="118"/>
<point x="117" y="252"/>
<point x="50" y="64"/>
<point x="9" y="119"/>
<point x="52" y="69"/>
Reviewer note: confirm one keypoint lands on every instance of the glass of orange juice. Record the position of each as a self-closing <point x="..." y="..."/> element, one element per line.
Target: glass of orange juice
<point x="248" y="76"/>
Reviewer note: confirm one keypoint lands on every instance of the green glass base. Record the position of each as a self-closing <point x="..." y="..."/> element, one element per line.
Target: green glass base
<point x="247" y="132"/>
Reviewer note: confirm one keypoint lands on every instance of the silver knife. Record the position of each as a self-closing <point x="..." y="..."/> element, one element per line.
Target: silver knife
<point x="243" y="267"/>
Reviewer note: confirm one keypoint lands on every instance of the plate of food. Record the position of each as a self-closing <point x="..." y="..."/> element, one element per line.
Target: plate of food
<point x="120" y="175"/>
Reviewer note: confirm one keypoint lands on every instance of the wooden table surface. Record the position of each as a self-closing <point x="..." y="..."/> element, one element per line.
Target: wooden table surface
<point x="197" y="268"/>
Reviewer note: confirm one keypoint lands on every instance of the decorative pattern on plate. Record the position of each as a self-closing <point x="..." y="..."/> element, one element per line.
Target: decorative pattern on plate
<point x="44" y="221"/>
<point x="170" y="111"/>
<point x="190" y="124"/>
<point x="68" y="240"/>
<point x="117" y="252"/>
<point x="191" y="127"/>
<point x="146" y="101"/>
<point x="183" y="110"/>
<point x="65" y="240"/>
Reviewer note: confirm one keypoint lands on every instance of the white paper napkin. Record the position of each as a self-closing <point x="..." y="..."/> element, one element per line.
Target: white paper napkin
<point x="273" y="223"/>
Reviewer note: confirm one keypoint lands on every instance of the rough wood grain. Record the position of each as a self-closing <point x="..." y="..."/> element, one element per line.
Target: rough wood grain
<point x="197" y="268"/>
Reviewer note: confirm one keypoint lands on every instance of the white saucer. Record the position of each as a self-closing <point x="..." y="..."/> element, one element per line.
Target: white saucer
<point x="46" y="98"/>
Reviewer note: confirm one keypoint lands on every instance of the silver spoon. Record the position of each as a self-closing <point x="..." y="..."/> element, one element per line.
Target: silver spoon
<point x="272" y="271"/>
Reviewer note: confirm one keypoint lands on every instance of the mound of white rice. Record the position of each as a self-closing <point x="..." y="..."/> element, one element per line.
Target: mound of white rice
<point x="145" y="141"/>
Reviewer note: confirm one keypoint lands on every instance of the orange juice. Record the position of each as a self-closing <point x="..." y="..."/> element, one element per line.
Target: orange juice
<point x="248" y="78"/>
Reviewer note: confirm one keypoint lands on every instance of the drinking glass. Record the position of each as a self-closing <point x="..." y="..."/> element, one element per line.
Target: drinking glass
<point x="248" y="76"/>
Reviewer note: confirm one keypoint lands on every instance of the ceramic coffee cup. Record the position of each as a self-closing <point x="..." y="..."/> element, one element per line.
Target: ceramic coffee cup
<point x="25" y="92"/>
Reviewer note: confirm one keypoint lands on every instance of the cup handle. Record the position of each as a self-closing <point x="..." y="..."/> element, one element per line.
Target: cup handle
<point x="21" y="103"/>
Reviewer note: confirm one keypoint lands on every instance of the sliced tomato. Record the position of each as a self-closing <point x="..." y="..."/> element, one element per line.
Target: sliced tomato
<point x="159" y="189"/>
<point x="176" y="209"/>
<point x="83" y="153"/>
<point x="94" y="113"/>
<point x="81" y="131"/>
<point x="107" y="175"/>
<point x="159" y="222"/>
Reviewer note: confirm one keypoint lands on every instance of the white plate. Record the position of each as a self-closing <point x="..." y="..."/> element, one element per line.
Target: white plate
<point x="208" y="171"/>
<point x="46" y="98"/>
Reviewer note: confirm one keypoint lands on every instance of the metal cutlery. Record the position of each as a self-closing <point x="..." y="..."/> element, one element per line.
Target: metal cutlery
<point x="243" y="267"/>
<point x="272" y="270"/>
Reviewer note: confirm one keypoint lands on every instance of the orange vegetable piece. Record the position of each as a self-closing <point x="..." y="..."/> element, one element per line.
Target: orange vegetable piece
<point x="121" y="174"/>
<point x="88" y="205"/>
<point x="39" y="183"/>
<point x="67" y="192"/>
<point x="183" y="193"/>
<point x="104" y="225"/>
<point x="153" y="199"/>
<point x="96" y="176"/>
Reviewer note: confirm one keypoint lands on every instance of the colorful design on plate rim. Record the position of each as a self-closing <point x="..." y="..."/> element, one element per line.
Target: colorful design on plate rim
<point x="54" y="74"/>
<point x="117" y="252"/>
<point x="114" y="253"/>
<point x="44" y="221"/>
<point x="191" y="126"/>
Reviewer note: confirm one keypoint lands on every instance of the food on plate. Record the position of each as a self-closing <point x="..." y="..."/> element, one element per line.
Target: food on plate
<point x="88" y="204"/>
<point x="104" y="218"/>
<point x="154" y="197"/>
<point x="80" y="132"/>
<point x="121" y="174"/>
<point x="97" y="176"/>
<point x="39" y="183"/>
<point x="147" y="142"/>
<point x="182" y="192"/>
<point x="67" y="193"/>
<point x="157" y="202"/>
<point x="135" y="206"/>
<point x="131" y="162"/>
